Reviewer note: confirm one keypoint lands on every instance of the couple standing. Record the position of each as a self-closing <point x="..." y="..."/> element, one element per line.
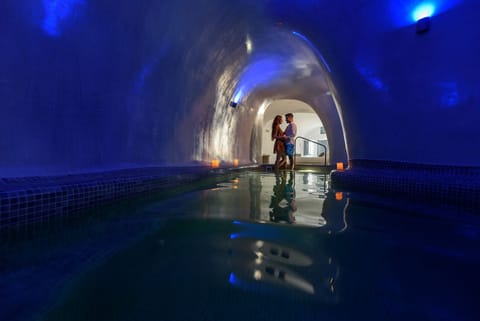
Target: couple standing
<point x="284" y="141"/>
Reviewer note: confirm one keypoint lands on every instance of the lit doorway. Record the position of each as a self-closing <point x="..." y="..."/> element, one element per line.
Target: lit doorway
<point x="309" y="126"/>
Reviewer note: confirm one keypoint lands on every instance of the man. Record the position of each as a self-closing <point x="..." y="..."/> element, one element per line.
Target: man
<point x="290" y="133"/>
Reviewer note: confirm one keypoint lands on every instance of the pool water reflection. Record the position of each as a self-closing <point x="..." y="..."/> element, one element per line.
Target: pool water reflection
<point x="284" y="197"/>
<point x="257" y="246"/>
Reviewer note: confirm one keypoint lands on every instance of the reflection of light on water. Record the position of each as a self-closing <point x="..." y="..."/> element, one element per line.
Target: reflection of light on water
<point x="310" y="220"/>
<point x="225" y="186"/>
<point x="310" y="179"/>
<point x="345" y="224"/>
<point x="339" y="196"/>
<point x="259" y="259"/>
<point x="270" y="265"/>
<point x="276" y="266"/>
<point x="305" y="204"/>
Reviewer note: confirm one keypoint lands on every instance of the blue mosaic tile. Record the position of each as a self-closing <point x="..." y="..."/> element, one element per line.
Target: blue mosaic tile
<point x="24" y="201"/>
<point x="457" y="186"/>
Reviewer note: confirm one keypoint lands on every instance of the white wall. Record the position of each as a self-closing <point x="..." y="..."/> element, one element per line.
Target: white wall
<point x="138" y="83"/>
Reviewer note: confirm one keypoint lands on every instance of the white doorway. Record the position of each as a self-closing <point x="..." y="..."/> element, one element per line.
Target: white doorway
<point x="309" y="126"/>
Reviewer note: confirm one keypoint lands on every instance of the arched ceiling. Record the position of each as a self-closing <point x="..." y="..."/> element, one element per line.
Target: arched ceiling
<point x="282" y="65"/>
<point x="283" y="106"/>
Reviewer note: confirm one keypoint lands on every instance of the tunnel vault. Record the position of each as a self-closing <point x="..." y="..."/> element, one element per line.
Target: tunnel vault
<point x="281" y="67"/>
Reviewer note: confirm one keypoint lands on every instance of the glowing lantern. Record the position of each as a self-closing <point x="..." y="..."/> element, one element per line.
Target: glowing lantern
<point x="215" y="163"/>
<point x="339" y="196"/>
<point x="339" y="166"/>
<point x="235" y="162"/>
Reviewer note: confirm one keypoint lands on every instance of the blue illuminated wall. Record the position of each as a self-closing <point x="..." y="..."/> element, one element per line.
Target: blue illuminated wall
<point x="94" y="85"/>
<point x="405" y="96"/>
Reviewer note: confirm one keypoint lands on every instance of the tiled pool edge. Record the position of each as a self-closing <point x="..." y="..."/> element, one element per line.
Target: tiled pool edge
<point x="450" y="185"/>
<point x="28" y="200"/>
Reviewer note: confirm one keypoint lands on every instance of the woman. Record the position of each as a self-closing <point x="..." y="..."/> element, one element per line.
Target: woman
<point x="279" y="145"/>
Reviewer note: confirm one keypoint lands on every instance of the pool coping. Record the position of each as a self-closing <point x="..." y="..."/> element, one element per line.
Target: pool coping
<point x="456" y="186"/>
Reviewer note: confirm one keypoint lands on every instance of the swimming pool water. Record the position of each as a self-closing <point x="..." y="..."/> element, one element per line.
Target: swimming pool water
<point x="257" y="246"/>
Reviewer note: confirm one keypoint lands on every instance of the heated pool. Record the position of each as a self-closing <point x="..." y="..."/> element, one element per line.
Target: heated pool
<point x="254" y="246"/>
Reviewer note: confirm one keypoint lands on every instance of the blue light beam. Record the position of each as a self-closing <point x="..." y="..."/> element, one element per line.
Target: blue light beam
<point x="423" y="10"/>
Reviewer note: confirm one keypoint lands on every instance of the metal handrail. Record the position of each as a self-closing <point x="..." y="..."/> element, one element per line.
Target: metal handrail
<point x="308" y="140"/>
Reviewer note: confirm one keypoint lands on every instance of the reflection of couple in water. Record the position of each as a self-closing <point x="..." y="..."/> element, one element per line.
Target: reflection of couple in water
<point x="283" y="203"/>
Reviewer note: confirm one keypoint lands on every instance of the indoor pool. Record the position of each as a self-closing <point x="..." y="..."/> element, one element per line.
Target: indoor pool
<point x="253" y="246"/>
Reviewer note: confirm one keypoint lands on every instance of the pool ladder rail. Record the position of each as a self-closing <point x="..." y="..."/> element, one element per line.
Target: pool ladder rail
<point x="323" y="154"/>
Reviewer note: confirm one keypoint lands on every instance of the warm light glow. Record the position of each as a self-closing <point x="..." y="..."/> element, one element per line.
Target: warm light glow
<point x="215" y="163"/>
<point x="257" y="275"/>
<point x="249" y="44"/>
<point x="339" y="196"/>
<point x="235" y="162"/>
<point x="339" y="166"/>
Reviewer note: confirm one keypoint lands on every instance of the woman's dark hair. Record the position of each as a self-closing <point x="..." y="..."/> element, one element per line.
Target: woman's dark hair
<point x="275" y="123"/>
